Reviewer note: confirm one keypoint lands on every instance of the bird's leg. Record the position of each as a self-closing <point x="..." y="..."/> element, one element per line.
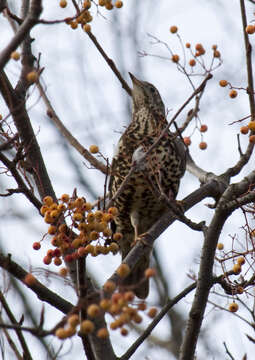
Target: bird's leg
<point x="135" y="223"/>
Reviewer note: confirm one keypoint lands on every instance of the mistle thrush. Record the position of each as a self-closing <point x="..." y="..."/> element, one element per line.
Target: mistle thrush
<point x="139" y="205"/>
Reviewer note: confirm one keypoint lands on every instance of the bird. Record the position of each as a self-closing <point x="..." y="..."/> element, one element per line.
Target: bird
<point x="138" y="204"/>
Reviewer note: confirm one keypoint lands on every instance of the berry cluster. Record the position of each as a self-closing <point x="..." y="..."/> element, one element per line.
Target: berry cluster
<point x="120" y="306"/>
<point x="84" y="235"/>
<point x="250" y="127"/>
<point x="85" y="17"/>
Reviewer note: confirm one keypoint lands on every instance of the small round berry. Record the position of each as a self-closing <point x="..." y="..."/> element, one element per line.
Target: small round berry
<point x="105" y="304"/>
<point x="233" y="307"/>
<point x="142" y="306"/>
<point x="36" y="245"/>
<point x="65" y="198"/>
<point x="223" y="83"/>
<point x="241" y="260"/>
<point x="15" y="55"/>
<point x="109" y="286"/>
<point x="250" y="29"/>
<point x="240" y="290"/>
<point x="214" y="47"/>
<point x="93" y="149"/>
<point x="187" y="140"/>
<point x="87" y="28"/>
<point x="187" y="45"/>
<point x="137" y="319"/>
<point x="251" y="125"/>
<point x="47" y="260"/>
<point x="117" y="236"/>
<point x="63" y="3"/>
<point x="87" y="4"/>
<point x="93" y="310"/>
<point x="175" y="58"/>
<point x="152" y="312"/>
<point x="63" y="272"/>
<point x="192" y="62"/>
<point x="109" y="6"/>
<point x="244" y="130"/>
<point x="129" y="296"/>
<point x="47" y="200"/>
<point x="173" y="29"/>
<point x="29" y="279"/>
<point x="73" y="320"/>
<point x="74" y="25"/>
<point x="32" y="77"/>
<point x="233" y="94"/>
<point x="252" y="139"/>
<point x="237" y="269"/>
<point x="123" y="270"/>
<point x="61" y="333"/>
<point x="57" y="261"/>
<point x="70" y="331"/>
<point x="220" y="246"/>
<point x="124" y="332"/>
<point x="103" y="333"/>
<point x="118" y="4"/>
<point x="150" y="272"/>
<point x="199" y="47"/>
<point x="113" y="211"/>
<point x="69" y="258"/>
<point x="87" y="327"/>
<point x="114" y="248"/>
<point x="101" y="2"/>
<point x="203" y="145"/>
<point x="203" y="128"/>
<point x="52" y="229"/>
<point x="216" y="54"/>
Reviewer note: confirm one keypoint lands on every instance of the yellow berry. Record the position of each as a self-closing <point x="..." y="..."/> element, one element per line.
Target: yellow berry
<point x="173" y="29"/>
<point x="63" y="3"/>
<point x="237" y="269"/>
<point x="43" y="209"/>
<point x="47" y="200"/>
<point x="73" y="320"/>
<point x="251" y="125"/>
<point x="87" y="327"/>
<point x="65" y="198"/>
<point x="15" y="55"/>
<point x="223" y="83"/>
<point x="233" y="94"/>
<point x="233" y="307"/>
<point x="93" y="149"/>
<point x="93" y="310"/>
<point x="241" y="260"/>
<point x="220" y="246"/>
<point x="32" y="76"/>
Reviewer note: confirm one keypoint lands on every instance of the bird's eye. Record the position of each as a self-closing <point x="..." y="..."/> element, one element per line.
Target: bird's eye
<point x="153" y="90"/>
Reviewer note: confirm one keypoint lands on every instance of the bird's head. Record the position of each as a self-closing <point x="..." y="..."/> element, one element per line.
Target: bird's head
<point x="145" y="94"/>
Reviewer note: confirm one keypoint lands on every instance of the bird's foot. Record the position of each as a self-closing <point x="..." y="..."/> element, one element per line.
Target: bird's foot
<point x="141" y="238"/>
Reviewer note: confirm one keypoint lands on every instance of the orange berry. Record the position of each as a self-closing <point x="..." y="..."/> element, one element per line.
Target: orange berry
<point x="152" y="312"/>
<point x="124" y="332"/>
<point x="203" y="128"/>
<point x="63" y="272"/>
<point x="173" y="29"/>
<point x="129" y="296"/>
<point x="93" y="310"/>
<point x="175" y="58"/>
<point x="105" y="304"/>
<point x="109" y="286"/>
<point x="252" y="139"/>
<point x="52" y="230"/>
<point x="137" y="319"/>
<point x="237" y="269"/>
<point x="187" y="140"/>
<point x="244" y="130"/>
<point x="101" y="2"/>
<point x="216" y="54"/>
<point x="29" y="280"/>
<point x="192" y="62"/>
<point x="93" y="149"/>
<point x="57" y="261"/>
<point x="87" y="4"/>
<point x="123" y="270"/>
<point x="241" y="260"/>
<point x="187" y="45"/>
<point x="63" y="3"/>
<point x="203" y="145"/>
<point x="118" y="4"/>
<point x="47" y="200"/>
<point x="15" y="55"/>
<point x="87" y="327"/>
<point x="142" y="306"/>
<point x="73" y="320"/>
<point x="47" y="260"/>
<point x="233" y="307"/>
<point x="233" y="94"/>
<point x="109" y="6"/>
<point x="250" y="29"/>
<point x="36" y="245"/>
<point x="114" y="248"/>
<point x="240" y="290"/>
<point x="251" y="125"/>
<point x="199" y="47"/>
<point x="223" y="83"/>
<point x="61" y="333"/>
<point x="65" y="198"/>
<point x="32" y="76"/>
<point x="150" y="272"/>
<point x="220" y="246"/>
<point x="214" y="47"/>
<point x="74" y="25"/>
<point x="113" y="211"/>
<point x="103" y="333"/>
<point x="87" y="28"/>
<point x="117" y="237"/>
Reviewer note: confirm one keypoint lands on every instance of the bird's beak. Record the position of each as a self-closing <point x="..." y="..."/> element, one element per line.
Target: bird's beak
<point x="135" y="81"/>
